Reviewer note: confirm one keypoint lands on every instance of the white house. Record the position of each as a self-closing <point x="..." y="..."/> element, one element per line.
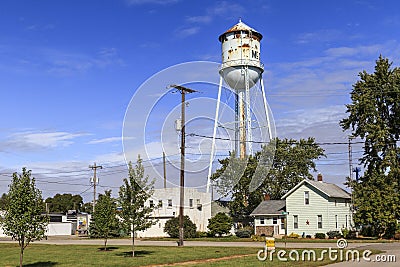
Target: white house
<point x="269" y="218"/>
<point x="310" y="207"/>
<point x="197" y="205"/>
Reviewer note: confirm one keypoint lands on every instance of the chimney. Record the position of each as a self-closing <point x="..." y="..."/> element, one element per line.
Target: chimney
<point x="267" y="197"/>
<point x="319" y="177"/>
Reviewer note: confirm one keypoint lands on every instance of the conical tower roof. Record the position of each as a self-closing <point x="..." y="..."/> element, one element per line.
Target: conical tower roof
<point x="241" y="27"/>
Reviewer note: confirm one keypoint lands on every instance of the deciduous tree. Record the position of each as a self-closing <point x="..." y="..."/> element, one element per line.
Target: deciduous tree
<point x="374" y="116"/>
<point x="282" y="167"/>
<point x="220" y="224"/>
<point x="3" y="201"/>
<point x="64" y="202"/>
<point x="23" y="220"/>
<point x="105" y="222"/>
<point x="133" y="194"/>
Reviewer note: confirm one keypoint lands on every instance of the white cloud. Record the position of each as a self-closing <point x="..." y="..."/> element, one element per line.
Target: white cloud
<point x="66" y="63"/>
<point x="199" y="19"/>
<point x="109" y="140"/>
<point x="40" y="140"/>
<point x="225" y="9"/>
<point x="185" y="32"/>
<point x="326" y="35"/>
<point x="105" y="140"/>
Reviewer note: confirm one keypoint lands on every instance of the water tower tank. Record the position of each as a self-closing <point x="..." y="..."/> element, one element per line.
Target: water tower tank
<point x="240" y="50"/>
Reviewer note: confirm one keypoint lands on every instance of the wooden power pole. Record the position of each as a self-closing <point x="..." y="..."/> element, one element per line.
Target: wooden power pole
<point x="94" y="167"/>
<point x="183" y="91"/>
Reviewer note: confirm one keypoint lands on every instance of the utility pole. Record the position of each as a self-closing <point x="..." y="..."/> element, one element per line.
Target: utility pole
<point x="350" y="158"/>
<point x="351" y="177"/>
<point x="94" y="167"/>
<point x="183" y="91"/>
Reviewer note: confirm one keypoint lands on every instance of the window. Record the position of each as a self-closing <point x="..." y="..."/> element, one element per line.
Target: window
<point x="151" y="203"/>
<point x="169" y="203"/>
<point x="199" y="206"/>
<point x="274" y="220"/>
<point x="319" y="221"/>
<point x="345" y="203"/>
<point x="336" y="222"/>
<point x="346" y="221"/>
<point x="160" y="203"/>
<point x="295" y="221"/>
<point x="306" y="197"/>
<point x="282" y="223"/>
<point x="335" y="204"/>
<point x="191" y="203"/>
<point x="262" y="220"/>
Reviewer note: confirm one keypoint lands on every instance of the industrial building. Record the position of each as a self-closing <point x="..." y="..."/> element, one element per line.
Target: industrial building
<point x="166" y="206"/>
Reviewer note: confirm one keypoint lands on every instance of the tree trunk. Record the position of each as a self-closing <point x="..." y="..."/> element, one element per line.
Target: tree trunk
<point x="21" y="253"/>
<point x="133" y="244"/>
<point x="105" y="244"/>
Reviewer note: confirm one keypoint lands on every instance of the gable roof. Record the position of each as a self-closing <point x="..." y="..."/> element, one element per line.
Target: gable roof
<point x="328" y="189"/>
<point x="270" y="207"/>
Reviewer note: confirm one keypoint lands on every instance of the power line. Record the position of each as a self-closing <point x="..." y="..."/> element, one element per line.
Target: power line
<point x="266" y="142"/>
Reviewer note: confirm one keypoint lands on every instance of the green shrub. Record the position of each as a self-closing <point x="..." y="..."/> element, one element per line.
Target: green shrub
<point x="201" y="234"/>
<point x="352" y="234"/>
<point x="333" y="234"/>
<point x="345" y="232"/>
<point x="366" y="231"/>
<point x="172" y="227"/>
<point x="319" y="235"/>
<point x="244" y="232"/>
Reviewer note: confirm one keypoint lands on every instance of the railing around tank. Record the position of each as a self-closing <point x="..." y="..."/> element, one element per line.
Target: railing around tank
<point x="242" y="62"/>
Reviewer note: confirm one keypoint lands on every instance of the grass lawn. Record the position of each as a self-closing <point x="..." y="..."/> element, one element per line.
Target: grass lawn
<point x="89" y="255"/>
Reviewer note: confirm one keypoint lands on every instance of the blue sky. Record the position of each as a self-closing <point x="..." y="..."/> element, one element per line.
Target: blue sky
<point x="68" y="70"/>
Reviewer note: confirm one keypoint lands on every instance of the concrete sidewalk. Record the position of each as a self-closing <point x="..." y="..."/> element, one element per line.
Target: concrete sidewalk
<point x="389" y="258"/>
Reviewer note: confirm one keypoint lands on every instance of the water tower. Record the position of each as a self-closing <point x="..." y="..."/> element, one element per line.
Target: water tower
<point x="241" y="70"/>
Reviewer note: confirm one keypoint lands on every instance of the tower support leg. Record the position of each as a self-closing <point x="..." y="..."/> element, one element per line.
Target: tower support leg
<point x="214" y="135"/>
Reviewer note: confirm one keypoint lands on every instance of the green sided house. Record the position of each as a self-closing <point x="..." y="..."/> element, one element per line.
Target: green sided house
<point x="310" y="207"/>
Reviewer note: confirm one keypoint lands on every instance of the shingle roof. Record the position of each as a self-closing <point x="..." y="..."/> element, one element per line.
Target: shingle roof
<point x="270" y="207"/>
<point x="330" y="190"/>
